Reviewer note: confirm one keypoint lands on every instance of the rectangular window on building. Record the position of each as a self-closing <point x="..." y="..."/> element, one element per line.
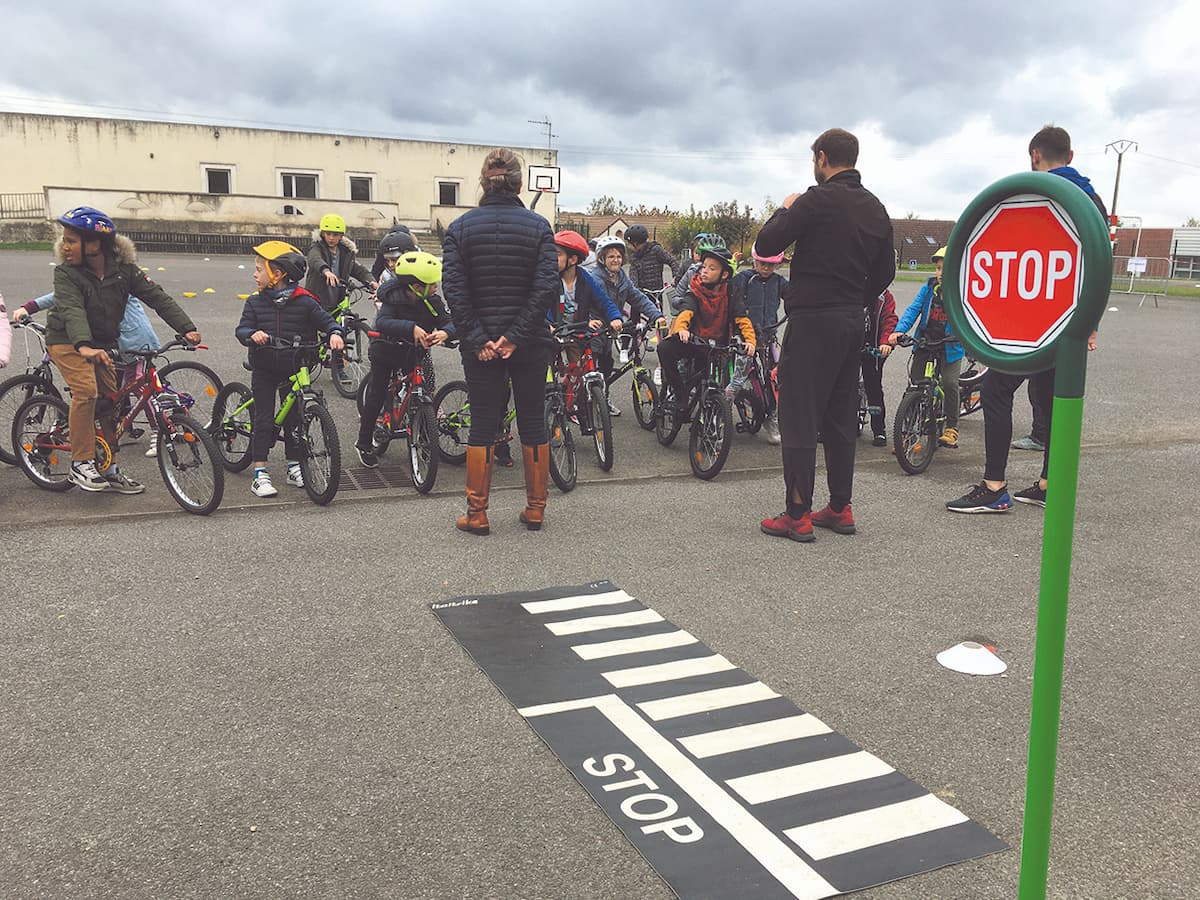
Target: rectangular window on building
<point x="300" y="185"/>
<point x="361" y="188"/>
<point x="220" y="181"/>
<point x="448" y="193"/>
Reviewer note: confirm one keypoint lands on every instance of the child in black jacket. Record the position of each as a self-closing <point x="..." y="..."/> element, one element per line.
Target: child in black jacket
<point x="280" y="311"/>
<point x="412" y="318"/>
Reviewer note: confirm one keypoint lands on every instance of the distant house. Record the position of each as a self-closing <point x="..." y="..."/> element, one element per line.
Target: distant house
<point x="915" y="240"/>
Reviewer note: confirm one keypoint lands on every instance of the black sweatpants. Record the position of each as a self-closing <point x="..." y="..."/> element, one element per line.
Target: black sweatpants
<point x="265" y="383"/>
<point x="872" y="376"/>
<point x="487" y="391"/>
<point x="998" y="391"/>
<point x="818" y="392"/>
<point x="386" y="359"/>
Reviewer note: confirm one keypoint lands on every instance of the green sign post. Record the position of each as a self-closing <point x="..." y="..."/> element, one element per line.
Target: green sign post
<point x="1027" y="278"/>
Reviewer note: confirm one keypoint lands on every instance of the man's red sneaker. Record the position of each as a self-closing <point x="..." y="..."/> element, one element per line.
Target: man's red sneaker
<point x="841" y="522"/>
<point x="783" y="525"/>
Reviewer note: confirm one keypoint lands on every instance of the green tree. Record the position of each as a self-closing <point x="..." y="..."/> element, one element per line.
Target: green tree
<point x="606" y="206"/>
<point x="1192" y="222"/>
<point x="685" y="227"/>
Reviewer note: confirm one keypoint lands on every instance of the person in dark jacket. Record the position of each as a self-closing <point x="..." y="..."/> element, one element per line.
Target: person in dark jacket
<point x="760" y="290"/>
<point x="281" y="311"/>
<point x="398" y="238"/>
<point x="332" y="260"/>
<point x="500" y="278"/>
<point x="875" y="353"/>
<point x="412" y="318"/>
<point x="1049" y="151"/>
<point x="843" y="260"/>
<point x="646" y="260"/>
<point x="96" y="275"/>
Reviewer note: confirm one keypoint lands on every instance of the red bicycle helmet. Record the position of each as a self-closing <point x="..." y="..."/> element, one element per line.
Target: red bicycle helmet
<point x="573" y="242"/>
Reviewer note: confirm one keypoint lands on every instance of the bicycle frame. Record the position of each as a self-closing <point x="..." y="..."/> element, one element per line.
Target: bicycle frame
<point x="574" y="376"/>
<point x="637" y="351"/>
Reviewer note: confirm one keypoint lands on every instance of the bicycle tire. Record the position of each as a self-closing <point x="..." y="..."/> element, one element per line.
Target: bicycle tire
<point x="452" y="409"/>
<point x="231" y="430"/>
<point x="602" y="437"/>
<point x="13" y="392"/>
<point x="750" y="411"/>
<point x="422" y="446"/>
<point x="912" y="436"/>
<point x="864" y="414"/>
<point x="196" y="380"/>
<point x="711" y="436"/>
<point x="564" y="467"/>
<point x="185" y="453"/>
<point x="41" y="438"/>
<point x="347" y="369"/>
<point x="667" y="425"/>
<point x="320" y="453"/>
<point x="360" y="396"/>
<point x="645" y="398"/>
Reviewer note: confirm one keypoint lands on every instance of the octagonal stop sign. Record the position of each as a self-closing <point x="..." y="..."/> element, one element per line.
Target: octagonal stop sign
<point x="1022" y="273"/>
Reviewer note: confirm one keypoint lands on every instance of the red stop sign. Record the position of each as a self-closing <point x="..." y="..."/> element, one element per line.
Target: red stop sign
<point x="1021" y="273"/>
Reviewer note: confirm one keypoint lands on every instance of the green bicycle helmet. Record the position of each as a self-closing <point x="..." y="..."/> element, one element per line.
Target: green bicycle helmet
<point x="708" y="241"/>
<point x="419" y="268"/>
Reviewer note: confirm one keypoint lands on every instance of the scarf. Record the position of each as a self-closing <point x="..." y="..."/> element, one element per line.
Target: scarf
<point x="711" y="319"/>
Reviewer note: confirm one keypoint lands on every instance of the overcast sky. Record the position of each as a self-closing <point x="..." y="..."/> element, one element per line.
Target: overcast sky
<point x="663" y="103"/>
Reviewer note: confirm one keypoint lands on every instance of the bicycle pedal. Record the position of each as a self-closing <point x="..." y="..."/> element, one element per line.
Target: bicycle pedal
<point x="136" y="433"/>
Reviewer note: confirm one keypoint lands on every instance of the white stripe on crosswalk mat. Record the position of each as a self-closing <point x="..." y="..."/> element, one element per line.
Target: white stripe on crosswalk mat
<point x="758" y="734"/>
<point x="634" y="645"/>
<point x="582" y="601"/>
<point x="857" y="831"/>
<point x="681" y="668"/>
<point x="811" y="776"/>
<point x="599" y="623"/>
<point x="706" y="701"/>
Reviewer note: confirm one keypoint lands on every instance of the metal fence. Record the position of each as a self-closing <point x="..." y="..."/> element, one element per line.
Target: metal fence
<point x="231" y="244"/>
<point x="23" y="206"/>
<point x="1149" y="276"/>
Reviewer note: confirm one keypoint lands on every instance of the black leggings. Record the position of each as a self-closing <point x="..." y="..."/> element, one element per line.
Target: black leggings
<point x="386" y="359"/>
<point x="487" y="391"/>
<point x="265" y="383"/>
<point x="998" y="390"/>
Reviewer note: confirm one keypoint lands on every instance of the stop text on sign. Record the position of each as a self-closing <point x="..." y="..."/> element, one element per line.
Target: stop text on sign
<point x="1021" y="273"/>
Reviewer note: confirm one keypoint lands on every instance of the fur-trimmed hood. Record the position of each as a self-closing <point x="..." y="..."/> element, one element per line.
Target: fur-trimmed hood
<point x="124" y="250"/>
<point x="346" y="242"/>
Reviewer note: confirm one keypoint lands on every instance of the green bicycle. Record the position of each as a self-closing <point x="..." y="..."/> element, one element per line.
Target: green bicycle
<point x="312" y="429"/>
<point x="347" y="367"/>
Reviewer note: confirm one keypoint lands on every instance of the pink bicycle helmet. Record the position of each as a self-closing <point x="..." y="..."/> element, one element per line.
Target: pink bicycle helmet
<point x="771" y="260"/>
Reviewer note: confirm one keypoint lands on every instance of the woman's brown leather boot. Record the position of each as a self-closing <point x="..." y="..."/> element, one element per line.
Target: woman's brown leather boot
<point x="537" y="471"/>
<point x="479" y="485"/>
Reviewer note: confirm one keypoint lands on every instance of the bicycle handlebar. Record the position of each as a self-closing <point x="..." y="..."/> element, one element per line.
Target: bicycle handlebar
<point x="180" y="343"/>
<point x="449" y="343"/>
<point x="29" y="323"/>
<point x="921" y="343"/>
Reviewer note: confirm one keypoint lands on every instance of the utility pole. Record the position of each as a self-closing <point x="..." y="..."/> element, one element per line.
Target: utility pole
<point x="1118" y="147"/>
<point x="550" y="135"/>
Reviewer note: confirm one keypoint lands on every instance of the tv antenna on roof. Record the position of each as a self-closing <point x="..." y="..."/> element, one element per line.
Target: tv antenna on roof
<point x="550" y="136"/>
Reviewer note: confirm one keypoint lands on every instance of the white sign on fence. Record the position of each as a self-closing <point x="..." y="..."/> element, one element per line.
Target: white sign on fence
<point x="1136" y="265"/>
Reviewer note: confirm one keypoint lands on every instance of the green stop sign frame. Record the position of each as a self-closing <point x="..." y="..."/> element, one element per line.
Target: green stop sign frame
<point x="1066" y="352"/>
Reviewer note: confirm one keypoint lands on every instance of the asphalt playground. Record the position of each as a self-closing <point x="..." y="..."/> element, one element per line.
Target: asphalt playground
<point x="260" y="703"/>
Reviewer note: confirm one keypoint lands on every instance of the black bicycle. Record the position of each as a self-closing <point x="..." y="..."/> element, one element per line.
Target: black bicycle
<point x="921" y="413"/>
<point x="711" y="433"/>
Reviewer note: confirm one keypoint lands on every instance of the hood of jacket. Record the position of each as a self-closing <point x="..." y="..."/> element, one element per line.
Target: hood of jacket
<point x="124" y="250"/>
<point x="346" y="242"/>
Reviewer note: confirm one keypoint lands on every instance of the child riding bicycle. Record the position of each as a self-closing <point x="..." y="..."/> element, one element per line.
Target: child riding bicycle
<point x="281" y="312"/>
<point x="97" y="273"/>
<point x="760" y="290"/>
<point x="412" y="317"/>
<point x="933" y="325"/>
<point x="710" y="310"/>
<point x="332" y="260"/>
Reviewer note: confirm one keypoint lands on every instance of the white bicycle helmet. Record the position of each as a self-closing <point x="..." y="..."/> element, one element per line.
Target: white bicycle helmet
<point x="607" y="242"/>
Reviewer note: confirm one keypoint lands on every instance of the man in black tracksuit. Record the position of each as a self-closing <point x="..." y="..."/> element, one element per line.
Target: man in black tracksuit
<point x="842" y="262"/>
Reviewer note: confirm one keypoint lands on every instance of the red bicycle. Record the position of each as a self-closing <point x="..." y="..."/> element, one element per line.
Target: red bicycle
<point x="582" y="390"/>
<point x="408" y="412"/>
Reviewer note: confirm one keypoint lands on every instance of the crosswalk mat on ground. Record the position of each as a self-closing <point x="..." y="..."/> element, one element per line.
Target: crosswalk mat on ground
<point x="724" y="786"/>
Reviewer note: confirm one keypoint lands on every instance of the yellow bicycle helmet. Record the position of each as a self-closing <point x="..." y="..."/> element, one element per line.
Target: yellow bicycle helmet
<point x="333" y="222"/>
<point x="283" y="260"/>
<point x="940" y="254"/>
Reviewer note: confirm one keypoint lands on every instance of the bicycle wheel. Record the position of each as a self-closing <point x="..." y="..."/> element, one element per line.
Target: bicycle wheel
<point x="863" y="412"/>
<point x="360" y="396"/>
<point x="563" y="467"/>
<point x="348" y="370"/>
<point x="645" y="398"/>
<point x="602" y="437"/>
<point x="320" y="453"/>
<point x="911" y="433"/>
<point x="711" y="436"/>
<point x="190" y="465"/>
<point x="970" y="386"/>
<point x="453" y="412"/>
<point x="422" y="446"/>
<point x="42" y="441"/>
<point x="231" y="427"/>
<point x="749" y="408"/>
<point x="13" y="392"/>
<point x="199" y="382"/>
<point x="667" y="424"/>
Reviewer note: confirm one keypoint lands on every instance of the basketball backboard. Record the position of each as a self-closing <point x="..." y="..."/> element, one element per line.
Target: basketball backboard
<point x="544" y="178"/>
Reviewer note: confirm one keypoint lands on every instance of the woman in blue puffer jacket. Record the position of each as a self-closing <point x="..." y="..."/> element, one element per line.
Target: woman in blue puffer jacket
<point x="499" y="278"/>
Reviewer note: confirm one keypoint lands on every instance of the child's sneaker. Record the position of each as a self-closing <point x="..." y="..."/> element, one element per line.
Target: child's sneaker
<point x="1033" y="495"/>
<point x="294" y="476"/>
<point x="367" y="457"/>
<point x="798" y="529"/>
<point x="502" y="455"/>
<point x="841" y="522"/>
<point x="770" y="430"/>
<point x="1029" y="442"/>
<point x="261" y="486"/>
<point x="879" y="440"/>
<point x="949" y="439"/>
<point x="121" y="483"/>
<point x="152" y="450"/>
<point x="85" y="476"/>
<point x="979" y="499"/>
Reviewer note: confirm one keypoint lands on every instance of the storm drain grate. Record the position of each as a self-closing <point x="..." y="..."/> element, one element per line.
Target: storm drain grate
<point x="360" y="478"/>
